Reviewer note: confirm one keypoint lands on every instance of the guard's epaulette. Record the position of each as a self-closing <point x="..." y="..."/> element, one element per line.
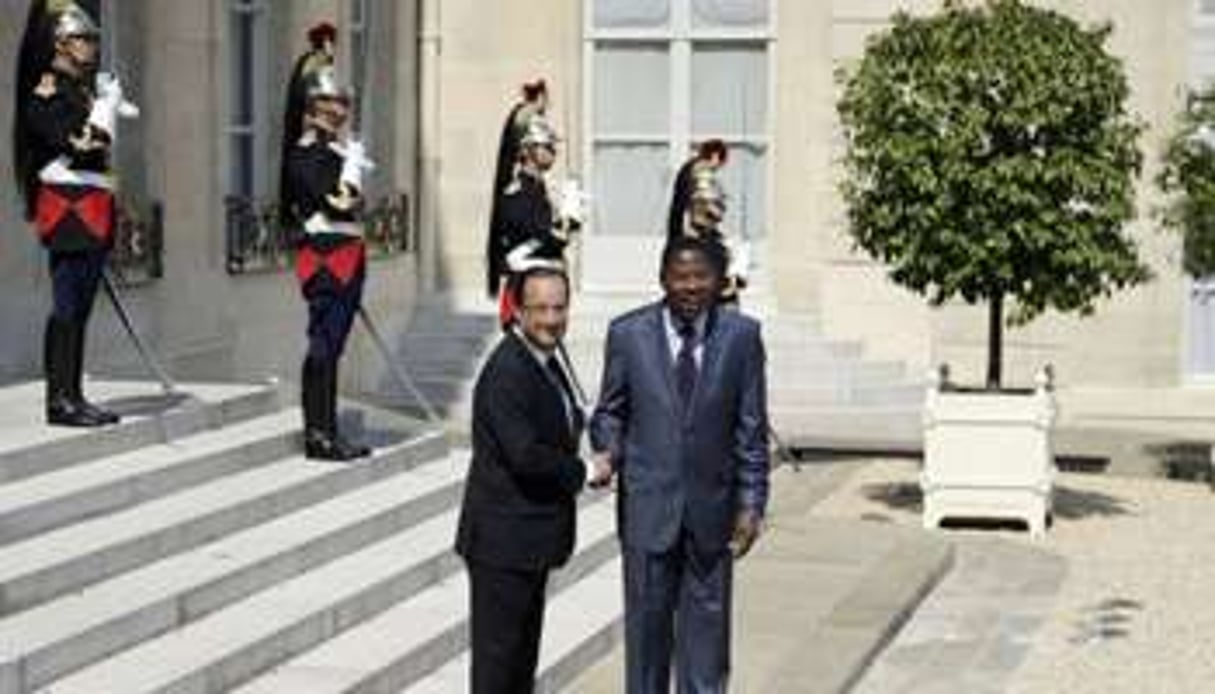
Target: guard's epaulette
<point x="47" y="87"/>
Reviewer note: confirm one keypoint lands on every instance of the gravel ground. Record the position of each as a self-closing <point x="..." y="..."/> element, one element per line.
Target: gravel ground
<point x="1135" y="609"/>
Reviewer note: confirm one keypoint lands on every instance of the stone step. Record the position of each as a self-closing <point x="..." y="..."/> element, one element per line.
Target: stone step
<point x="49" y="565"/>
<point x="351" y="596"/>
<point x="896" y="429"/>
<point x="69" y="495"/>
<point x="581" y="626"/>
<point x="407" y="643"/>
<point x="59" y="637"/>
<point x="29" y="447"/>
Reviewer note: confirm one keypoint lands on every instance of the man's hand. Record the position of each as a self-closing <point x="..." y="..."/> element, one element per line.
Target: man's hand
<point x="601" y="470"/>
<point x="746" y="531"/>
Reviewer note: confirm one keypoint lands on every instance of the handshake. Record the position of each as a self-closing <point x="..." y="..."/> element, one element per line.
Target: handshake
<point x="110" y="103"/>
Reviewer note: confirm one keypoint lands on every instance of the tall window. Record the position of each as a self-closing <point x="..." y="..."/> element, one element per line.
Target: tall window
<point x="248" y="90"/>
<point x="666" y="75"/>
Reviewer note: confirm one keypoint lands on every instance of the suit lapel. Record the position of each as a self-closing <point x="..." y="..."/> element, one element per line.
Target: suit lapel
<point x="544" y="382"/>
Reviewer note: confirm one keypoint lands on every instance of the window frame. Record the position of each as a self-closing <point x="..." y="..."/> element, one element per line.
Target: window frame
<point x="256" y="128"/>
<point x="680" y="36"/>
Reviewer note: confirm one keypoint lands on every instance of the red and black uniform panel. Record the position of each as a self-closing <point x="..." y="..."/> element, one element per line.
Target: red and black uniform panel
<point x="313" y="185"/>
<point x="67" y="216"/>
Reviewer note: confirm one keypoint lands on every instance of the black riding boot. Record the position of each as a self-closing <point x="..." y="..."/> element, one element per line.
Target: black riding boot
<point x="77" y="330"/>
<point x="58" y="368"/>
<point x="321" y="438"/>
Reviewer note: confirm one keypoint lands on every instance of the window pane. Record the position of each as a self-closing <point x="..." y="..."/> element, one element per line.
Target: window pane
<point x="632" y="89"/>
<point x="745" y="179"/>
<point x="729" y="13"/>
<point x="632" y="13"/>
<point x="630" y="189"/>
<point x="729" y="89"/>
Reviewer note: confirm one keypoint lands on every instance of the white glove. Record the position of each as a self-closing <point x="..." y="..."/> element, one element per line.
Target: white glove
<point x="109" y="87"/>
<point x="104" y="113"/>
<point x="572" y="203"/>
<point x="520" y="259"/>
<point x="354" y="163"/>
<point x="740" y="258"/>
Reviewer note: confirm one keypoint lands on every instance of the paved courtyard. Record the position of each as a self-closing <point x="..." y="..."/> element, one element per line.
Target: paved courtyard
<point x="1118" y="597"/>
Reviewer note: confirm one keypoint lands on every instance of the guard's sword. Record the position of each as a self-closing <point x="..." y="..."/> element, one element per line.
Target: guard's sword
<point x="145" y="355"/>
<point x="398" y="372"/>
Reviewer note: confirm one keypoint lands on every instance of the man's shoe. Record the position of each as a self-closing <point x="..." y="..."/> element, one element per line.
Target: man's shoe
<point x="99" y="413"/>
<point x="61" y="411"/>
<point x="319" y="445"/>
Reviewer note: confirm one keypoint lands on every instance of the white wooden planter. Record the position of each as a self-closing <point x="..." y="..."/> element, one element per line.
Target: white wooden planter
<point x="989" y="455"/>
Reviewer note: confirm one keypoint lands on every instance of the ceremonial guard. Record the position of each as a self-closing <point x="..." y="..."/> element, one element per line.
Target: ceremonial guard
<point x="711" y="155"/>
<point x="63" y="131"/>
<point x="531" y="229"/>
<point x="534" y="102"/>
<point x="322" y="43"/>
<point x="706" y="209"/>
<point x="322" y="196"/>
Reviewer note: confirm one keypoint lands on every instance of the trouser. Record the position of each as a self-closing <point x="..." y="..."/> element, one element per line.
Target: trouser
<point x="677" y="603"/>
<point x="75" y="278"/>
<point x="331" y="310"/>
<point x="507" y="616"/>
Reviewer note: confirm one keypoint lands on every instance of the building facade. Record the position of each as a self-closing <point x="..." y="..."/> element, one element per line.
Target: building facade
<point x="634" y="83"/>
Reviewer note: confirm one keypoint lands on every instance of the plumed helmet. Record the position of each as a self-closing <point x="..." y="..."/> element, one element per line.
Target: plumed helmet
<point x="71" y="20"/>
<point x="539" y="131"/>
<point x="706" y="188"/>
<point x="323" y="83"/>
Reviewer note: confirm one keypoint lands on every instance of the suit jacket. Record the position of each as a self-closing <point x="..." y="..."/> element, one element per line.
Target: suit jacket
<point x="519" y="499"/>
<point x="694" y="470"/>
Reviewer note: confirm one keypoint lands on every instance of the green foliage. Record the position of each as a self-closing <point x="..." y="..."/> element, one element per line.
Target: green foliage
<point x="990" y="155"/>
<point x="1188" y="177"/>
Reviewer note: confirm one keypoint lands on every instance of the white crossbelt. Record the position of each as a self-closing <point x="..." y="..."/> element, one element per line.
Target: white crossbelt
<point x="319" y="223"/>
<point x="59" y="173"/>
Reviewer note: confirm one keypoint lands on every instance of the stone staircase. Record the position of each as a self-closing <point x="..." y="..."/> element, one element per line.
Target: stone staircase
<point x="193" y="549"/>
<point x="823" y="393"/>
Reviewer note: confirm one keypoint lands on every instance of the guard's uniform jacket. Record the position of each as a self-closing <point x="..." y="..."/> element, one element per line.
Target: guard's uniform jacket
<point x="527" y="218"/>
<point x="331" y="253"/>
<point x="73" y="200"/>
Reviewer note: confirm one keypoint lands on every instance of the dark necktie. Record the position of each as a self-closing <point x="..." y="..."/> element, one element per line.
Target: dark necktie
<point x="685" y="363"/>
<point x="567" y="391"/>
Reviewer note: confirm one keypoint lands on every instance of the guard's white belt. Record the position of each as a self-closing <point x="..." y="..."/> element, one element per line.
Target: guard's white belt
<point x="320" y="224"/>
<point x="59" y="173"/>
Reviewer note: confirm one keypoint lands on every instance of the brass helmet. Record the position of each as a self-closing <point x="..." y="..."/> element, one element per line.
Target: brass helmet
<point x="323" y="83"/>
<point x="72" y="20"/>
<point x="539" y="131"/>
<point x="708" y="196"/>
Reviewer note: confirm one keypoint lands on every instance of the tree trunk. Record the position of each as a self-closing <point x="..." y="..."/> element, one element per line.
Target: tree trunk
<point x="995" y="341"/>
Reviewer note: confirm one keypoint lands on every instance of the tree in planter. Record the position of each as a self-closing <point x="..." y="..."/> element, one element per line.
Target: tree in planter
<point x="990" y="156"/>
<point x="1188" y="178"/>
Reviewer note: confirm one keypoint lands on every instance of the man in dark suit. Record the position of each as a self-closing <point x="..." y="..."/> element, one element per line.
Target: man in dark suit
<point x="683" y="421"/>
<point x="517" y="520"/>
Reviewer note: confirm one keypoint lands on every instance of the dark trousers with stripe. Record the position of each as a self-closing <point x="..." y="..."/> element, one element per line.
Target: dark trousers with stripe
<point x="331" y="310"/>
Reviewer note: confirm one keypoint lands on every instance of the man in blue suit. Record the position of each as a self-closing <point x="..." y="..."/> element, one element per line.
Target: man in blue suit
<point x="682" y="421"/>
